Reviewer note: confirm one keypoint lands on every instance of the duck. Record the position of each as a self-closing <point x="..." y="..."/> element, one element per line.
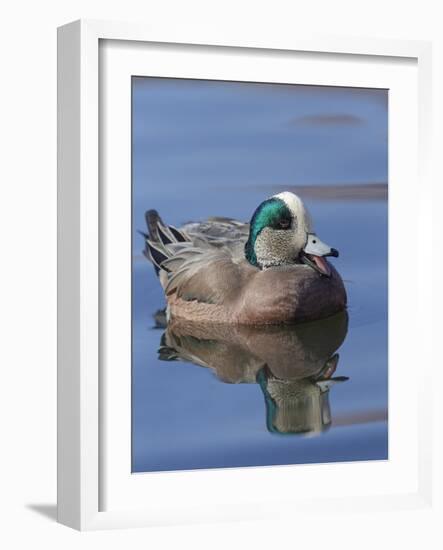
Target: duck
<point x="271" y="270"/>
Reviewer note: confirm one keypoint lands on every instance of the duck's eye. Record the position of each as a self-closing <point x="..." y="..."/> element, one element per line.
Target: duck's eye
<point x="284" y="224"/>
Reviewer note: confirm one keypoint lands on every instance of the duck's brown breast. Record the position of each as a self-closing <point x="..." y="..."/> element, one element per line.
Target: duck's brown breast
<point x="273" y="296"/>
<point x="289" y="295"/>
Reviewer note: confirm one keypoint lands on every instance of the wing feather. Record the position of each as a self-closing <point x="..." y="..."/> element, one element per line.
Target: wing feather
<point x="200" y="261"/>
<point x="210" y="277"/>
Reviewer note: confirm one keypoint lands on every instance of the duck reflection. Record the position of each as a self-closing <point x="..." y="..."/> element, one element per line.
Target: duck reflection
<point x="293" y="365"/>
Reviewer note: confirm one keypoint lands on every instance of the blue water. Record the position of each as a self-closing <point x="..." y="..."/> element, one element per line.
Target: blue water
<point x="184" y="416"/>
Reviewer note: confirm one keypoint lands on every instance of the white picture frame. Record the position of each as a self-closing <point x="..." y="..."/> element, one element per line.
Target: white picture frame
<point x="84" y="444"/>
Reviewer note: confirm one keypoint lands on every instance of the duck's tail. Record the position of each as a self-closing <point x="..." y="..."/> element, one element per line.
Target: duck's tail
<point x="158" y="238"/>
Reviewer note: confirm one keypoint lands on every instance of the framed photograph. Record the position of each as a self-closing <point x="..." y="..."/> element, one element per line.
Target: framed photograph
<point x="238" y="227"/>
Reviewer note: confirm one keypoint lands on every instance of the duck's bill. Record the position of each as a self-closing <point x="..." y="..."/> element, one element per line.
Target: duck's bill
<point x="318" y="263"/>
<point x="315" y="252"/>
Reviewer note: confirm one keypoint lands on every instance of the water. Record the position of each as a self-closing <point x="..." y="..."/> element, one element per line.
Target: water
<point x="184" y="417"/>
<point x="198" y="152"/>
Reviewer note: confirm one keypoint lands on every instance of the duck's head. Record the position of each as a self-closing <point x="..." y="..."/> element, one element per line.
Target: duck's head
<point x="281" y="233"/>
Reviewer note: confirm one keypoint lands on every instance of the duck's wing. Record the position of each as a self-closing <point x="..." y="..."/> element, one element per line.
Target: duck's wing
<point x="205" y="265"/>
<point x="208" y="276"/>
<point x="217" y="232"/>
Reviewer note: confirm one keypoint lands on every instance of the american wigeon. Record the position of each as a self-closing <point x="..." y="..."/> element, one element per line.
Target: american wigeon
<point x="272" y="270"/>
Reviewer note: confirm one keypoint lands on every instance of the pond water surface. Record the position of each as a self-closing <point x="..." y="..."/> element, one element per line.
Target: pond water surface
<point x="187" y="416"/>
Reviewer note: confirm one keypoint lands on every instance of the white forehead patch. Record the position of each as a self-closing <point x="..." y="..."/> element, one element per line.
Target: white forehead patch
<point x="293" y="202"/>
<point x="297" y="208"/>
